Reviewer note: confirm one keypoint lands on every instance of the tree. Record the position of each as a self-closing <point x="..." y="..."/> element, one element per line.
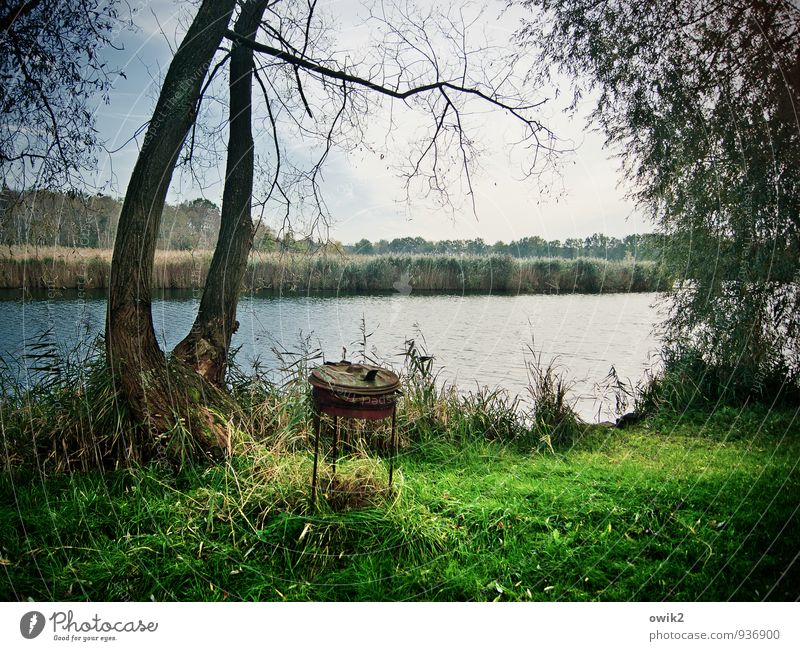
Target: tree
<point x="573" y="247"/>
<point x="702" y="99"/>
<point x="363" y="247"/>
<point x="206" y="346"/>
<point x="501" y="248"/>
<point x="190" y="225"/>
<point x="157" y="390"/>
<point x="596" y="246"/>
<point x="476" y="247"/>
<point x="302" y="85"/>
<point x="51" y="73"/>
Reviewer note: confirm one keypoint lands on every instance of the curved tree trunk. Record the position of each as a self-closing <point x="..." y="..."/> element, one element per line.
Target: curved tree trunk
<point x="205" y="348"/>
<point x="154" y="390"/>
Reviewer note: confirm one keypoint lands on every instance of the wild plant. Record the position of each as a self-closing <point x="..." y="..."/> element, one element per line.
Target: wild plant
<point x="553" y="416"/>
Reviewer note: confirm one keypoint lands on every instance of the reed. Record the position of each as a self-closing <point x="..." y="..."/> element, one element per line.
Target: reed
<point x="56" y="268"/>
<point x="63" y="268"/>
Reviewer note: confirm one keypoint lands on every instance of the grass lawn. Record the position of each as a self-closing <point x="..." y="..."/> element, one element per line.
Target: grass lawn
<point x="684" y="507"/>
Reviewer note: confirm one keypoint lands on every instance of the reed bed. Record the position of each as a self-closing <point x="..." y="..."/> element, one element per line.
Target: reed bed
<point x="63" y="268"/>
<point x="55" y="268"/>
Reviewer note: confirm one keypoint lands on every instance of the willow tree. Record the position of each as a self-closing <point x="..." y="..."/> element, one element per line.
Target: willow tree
<point x="156" y="391"/>
<point x="702" y="99"/>
<point x="206" y="346"/>
<point x="287" y="48"/>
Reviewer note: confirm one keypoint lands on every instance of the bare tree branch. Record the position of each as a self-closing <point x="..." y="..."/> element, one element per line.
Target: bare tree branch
<point x="276" y="177"/>
<point x="51" y="73"/>
<point x="302" y="94"/>
<point x="340" y="75"/>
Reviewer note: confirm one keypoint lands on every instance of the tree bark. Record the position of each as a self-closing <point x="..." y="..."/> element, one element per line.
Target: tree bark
<point x="157" y="391"/>
<point x="205" y="348"/>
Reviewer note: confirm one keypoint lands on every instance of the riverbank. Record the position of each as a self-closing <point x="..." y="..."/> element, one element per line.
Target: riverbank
<point x="84" y="269"/>
<point x="699" y="508"/>
<point x="489" y="505"/>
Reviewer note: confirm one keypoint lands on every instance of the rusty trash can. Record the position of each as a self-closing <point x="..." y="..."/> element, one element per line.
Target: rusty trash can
<point x="357" y="391"/>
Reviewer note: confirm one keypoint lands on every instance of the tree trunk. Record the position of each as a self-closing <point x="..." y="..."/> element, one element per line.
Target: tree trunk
<point x="156" y="391"/>
<point x="205" y="348"/>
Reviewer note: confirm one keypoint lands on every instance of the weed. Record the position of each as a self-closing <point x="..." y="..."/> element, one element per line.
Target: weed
<point x="553" y="415"/>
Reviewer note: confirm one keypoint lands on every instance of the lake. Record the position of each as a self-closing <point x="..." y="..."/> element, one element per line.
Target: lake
<point x="476" y="339"/>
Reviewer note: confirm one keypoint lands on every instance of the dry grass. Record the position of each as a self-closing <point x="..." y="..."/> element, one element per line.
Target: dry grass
<point x="78" y="268"/>
<point x="63" y="268"/>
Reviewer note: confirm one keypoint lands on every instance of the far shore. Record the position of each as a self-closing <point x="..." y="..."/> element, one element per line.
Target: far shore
<point x="84" y="269"/>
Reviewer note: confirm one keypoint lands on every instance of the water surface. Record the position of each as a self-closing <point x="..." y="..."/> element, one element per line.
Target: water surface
<point x="476" y="339"/>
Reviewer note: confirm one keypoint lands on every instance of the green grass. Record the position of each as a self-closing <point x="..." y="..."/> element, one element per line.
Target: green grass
<point x="684" y="507"/>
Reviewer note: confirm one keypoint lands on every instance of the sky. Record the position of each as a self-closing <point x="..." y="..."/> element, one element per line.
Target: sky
<point x="362" y="189"/>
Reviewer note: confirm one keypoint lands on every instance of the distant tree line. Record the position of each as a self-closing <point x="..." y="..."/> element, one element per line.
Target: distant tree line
<point x="47" y="218"/>
<point x="647" y="246"/>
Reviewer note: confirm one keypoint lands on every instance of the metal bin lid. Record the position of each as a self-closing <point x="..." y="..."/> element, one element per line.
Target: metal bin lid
<point x="357" y="379"/>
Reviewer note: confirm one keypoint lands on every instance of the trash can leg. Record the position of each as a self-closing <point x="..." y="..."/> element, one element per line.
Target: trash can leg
<point x="335" y="442"/>
<point x="393" y="449"/>
<point x="317" y="425"/>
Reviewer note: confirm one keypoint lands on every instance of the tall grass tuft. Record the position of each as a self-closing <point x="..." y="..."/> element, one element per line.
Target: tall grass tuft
<point x="553" y="415"/>
<point x="433" y="410"/>
<point x="492" y="415"/>
<point x="67" y="417"/>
